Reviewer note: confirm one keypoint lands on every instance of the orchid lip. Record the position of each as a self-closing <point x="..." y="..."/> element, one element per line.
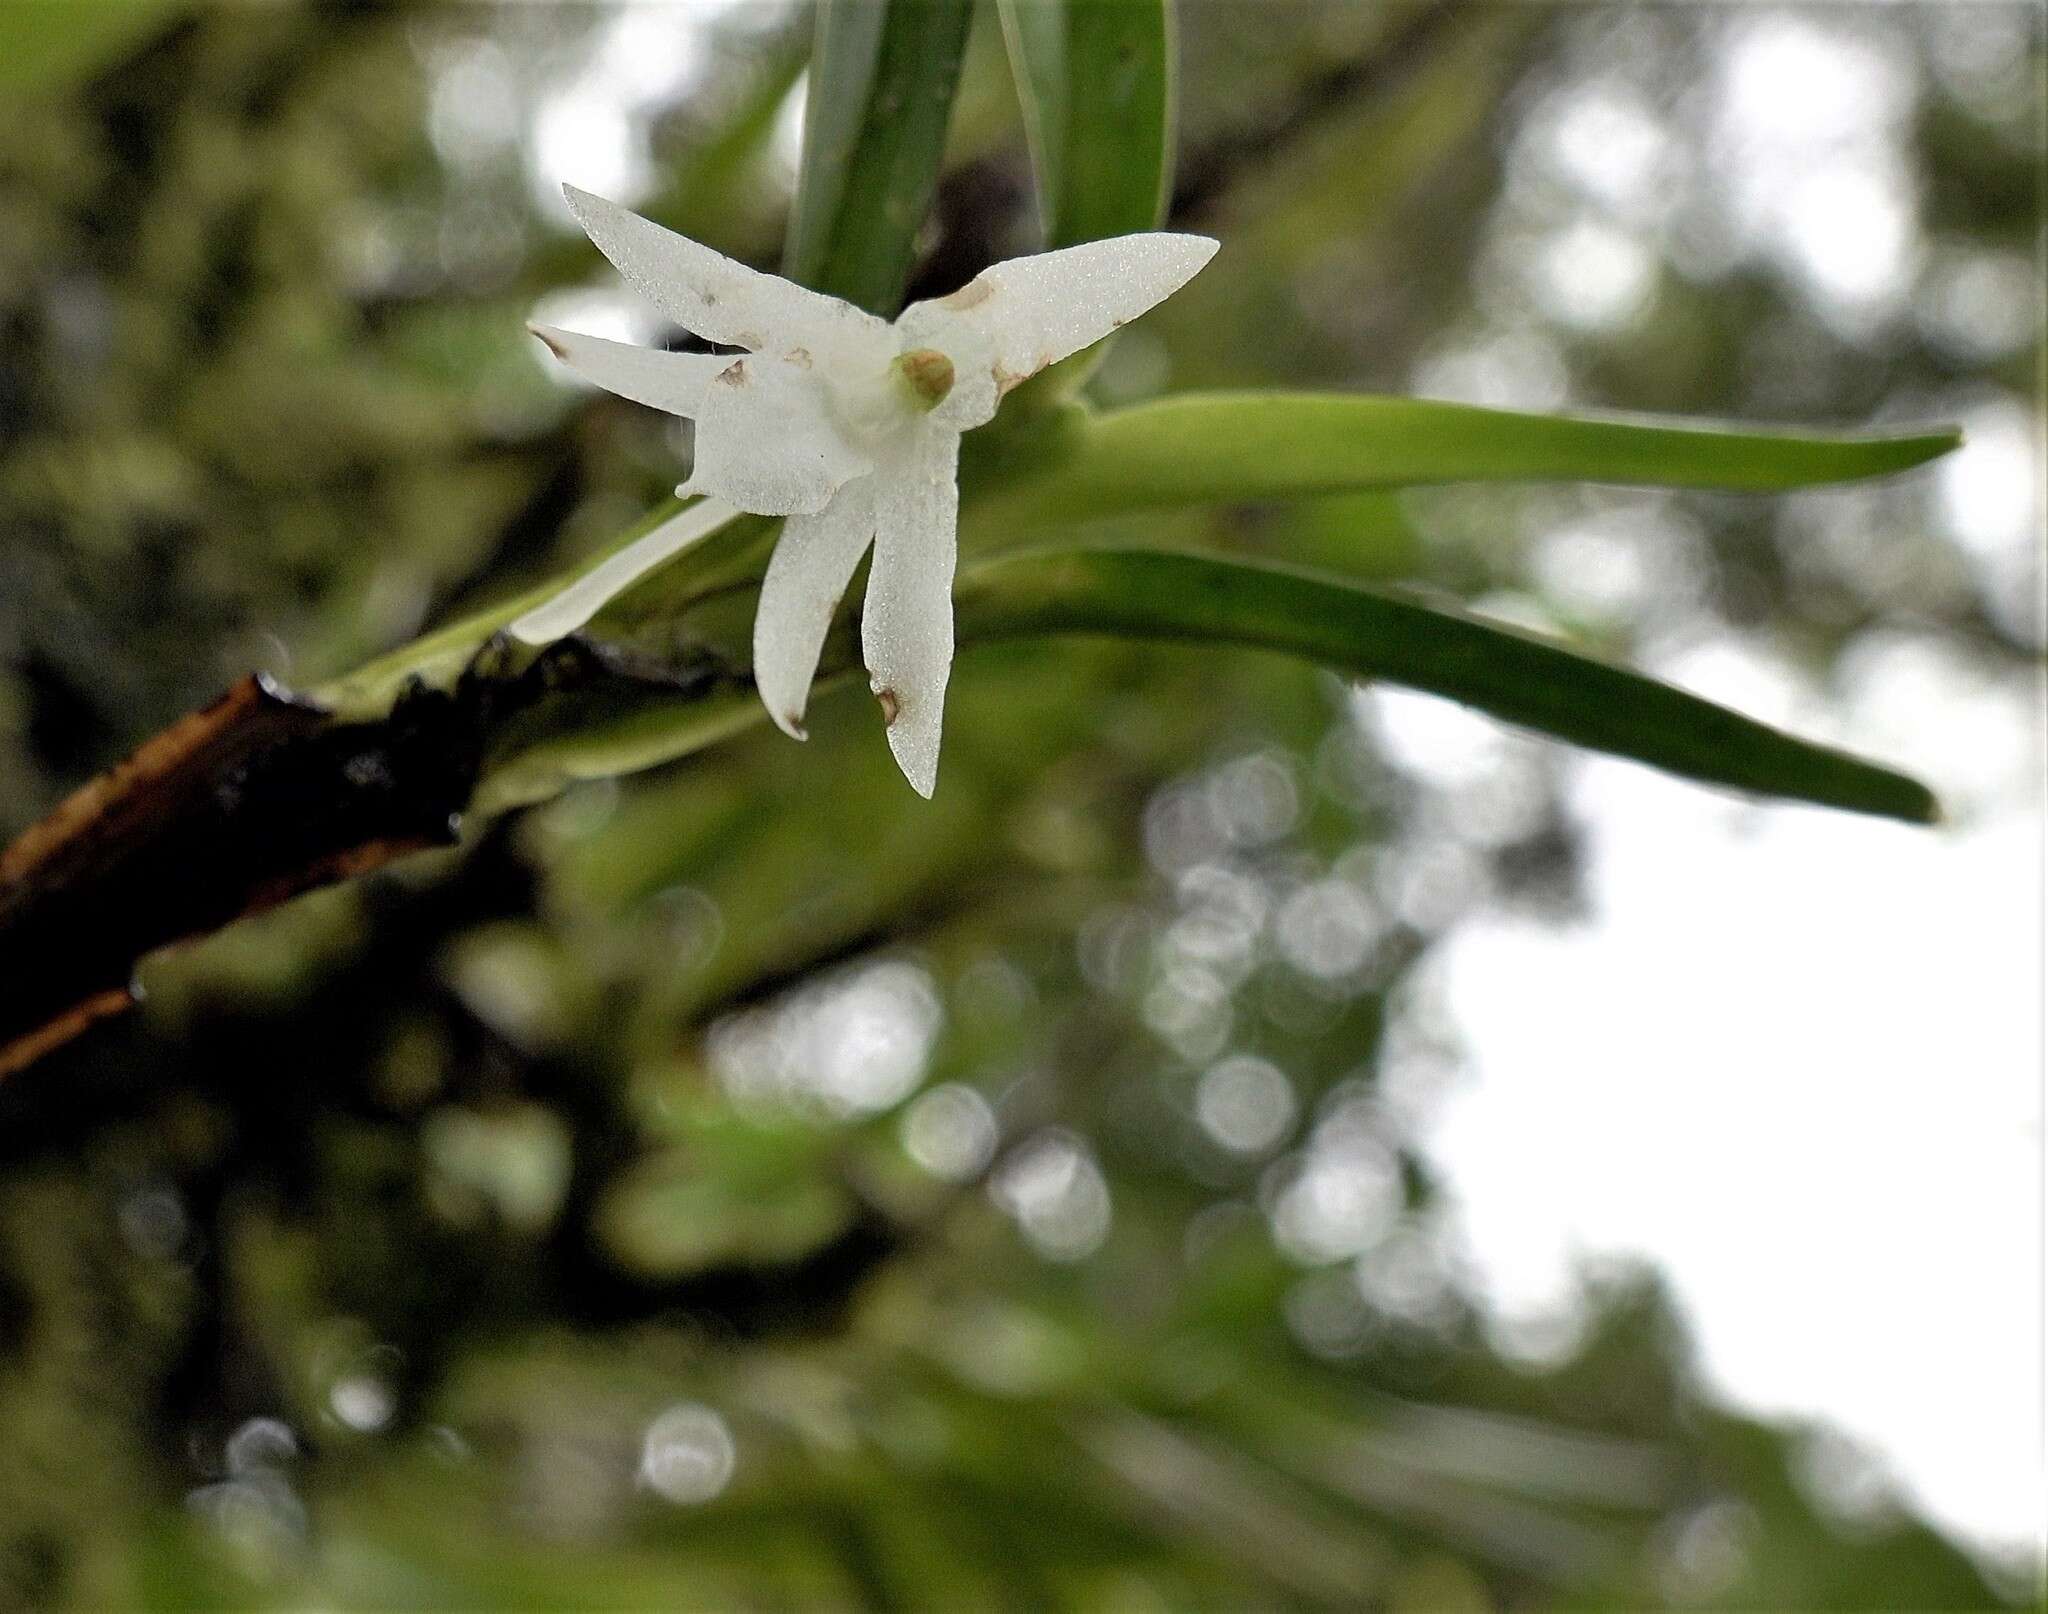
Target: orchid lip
<point x="928" y="374"/>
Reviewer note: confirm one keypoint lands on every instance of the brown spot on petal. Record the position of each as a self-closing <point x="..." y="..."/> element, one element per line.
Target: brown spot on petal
<point x="795" y="723"/>
<point x="800" y="357"/>
<point x="549" y="343"/>
<point x="972" y="295"/>
<point x="890" y="705"/>
<point x="733" y="375"/>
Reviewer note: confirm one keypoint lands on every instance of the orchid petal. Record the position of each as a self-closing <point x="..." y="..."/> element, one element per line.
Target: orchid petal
<point x="906" y="625"/>
<point x="768" y="442"/>
<point x="1036" y="311"/>
<point x="562" y="614"/>
<point x="813" y="562"/>
<point x="671" y="381"/>
<point x="708" y="293"/>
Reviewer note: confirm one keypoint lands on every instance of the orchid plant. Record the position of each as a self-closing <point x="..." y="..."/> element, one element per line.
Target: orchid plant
<point x="836" y="416"/>
<point x="841" y="419"/>
<point x="848" y="427"/>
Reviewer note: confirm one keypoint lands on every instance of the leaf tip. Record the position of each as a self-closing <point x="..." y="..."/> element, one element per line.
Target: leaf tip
<point x="1903" y="799"/>
<point x="1943" y="439"/>
<point x="1910" y="450"/>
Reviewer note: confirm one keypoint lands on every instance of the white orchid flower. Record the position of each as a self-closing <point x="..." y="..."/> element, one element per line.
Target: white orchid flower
<point x="849" y="427"/>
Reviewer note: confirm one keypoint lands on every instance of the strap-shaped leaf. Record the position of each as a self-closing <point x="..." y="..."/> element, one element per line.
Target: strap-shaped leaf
<point x="1371" y="633"/>
<point x="1202" y="447"/>
<point x="883" y="74"/>
<point x="436" y="660"/>
<point x="1095" y="79"/>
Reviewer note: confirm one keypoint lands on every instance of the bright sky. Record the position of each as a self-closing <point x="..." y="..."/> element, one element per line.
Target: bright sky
<point x="1794" y="1060"/>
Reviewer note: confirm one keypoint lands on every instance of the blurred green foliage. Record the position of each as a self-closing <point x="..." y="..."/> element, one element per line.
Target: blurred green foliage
<point x="745" y="1185"/>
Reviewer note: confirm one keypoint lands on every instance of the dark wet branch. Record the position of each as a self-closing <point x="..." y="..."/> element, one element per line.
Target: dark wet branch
<point x="255" y="799"/>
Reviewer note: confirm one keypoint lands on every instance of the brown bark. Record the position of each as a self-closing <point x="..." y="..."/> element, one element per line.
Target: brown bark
<point x="227" y="812"/>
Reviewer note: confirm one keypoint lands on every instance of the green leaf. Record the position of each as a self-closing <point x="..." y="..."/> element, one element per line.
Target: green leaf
<point x="1204" y="447"/>
<point x="1095" y="79"/>
<point x="1372" y="633"/>
<point x="883" y="74"/>
<point x="1367" y="632"/>
<point x="438" y="659"/>
<point x="628" y="736"/>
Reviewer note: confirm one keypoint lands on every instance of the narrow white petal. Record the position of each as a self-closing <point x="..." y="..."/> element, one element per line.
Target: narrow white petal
<point x="708" y="293"/>
<point x="812" y="564"/>
<point x="671" y="381"/>
<point x="1036" y="311"/>
<point x="767" y="440"/>
<point x="564" y="613"/>
<point x="906" y="626"/>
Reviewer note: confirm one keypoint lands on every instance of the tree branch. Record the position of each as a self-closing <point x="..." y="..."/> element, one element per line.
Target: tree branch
<point x="251" y="801"/>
